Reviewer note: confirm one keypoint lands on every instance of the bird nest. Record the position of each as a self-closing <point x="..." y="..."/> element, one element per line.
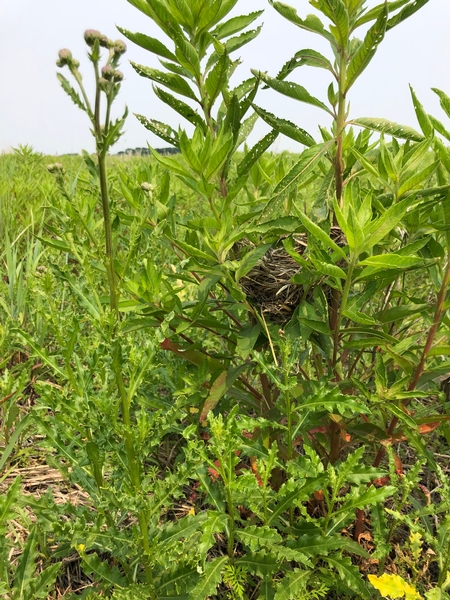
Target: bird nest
<point x="269" y="286"/>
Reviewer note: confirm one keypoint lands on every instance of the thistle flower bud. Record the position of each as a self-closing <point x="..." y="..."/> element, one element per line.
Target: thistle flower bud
<point x="64" y="57"/>
<point x="105" y="42"/>
<point x="118" y="76"/>
<point x="119" y="47"/>
<point x="55" y="168"/>
<point x="103" y="84"/>
<point x="108" y="73"/>
<point x="91" y="35"/>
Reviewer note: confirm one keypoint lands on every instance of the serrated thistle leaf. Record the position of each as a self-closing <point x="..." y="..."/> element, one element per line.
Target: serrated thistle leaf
<point x="394" y="586"/>
<point x="293" y="585"/>
<point x="349" y="574"/>
<point x="210" y="580"/>
<point x="257" y="537"/>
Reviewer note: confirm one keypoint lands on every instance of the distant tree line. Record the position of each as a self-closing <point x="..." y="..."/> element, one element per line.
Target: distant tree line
<point x="146" y="151"/>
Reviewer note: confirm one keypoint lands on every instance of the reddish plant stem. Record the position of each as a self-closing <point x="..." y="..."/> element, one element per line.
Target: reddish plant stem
<point x="415" y="380"/>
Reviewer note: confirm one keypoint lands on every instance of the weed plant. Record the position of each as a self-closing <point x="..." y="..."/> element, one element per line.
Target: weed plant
<point x="228" y="443"/>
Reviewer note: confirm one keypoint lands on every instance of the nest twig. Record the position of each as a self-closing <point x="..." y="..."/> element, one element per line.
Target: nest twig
<point x="269" y="285"/>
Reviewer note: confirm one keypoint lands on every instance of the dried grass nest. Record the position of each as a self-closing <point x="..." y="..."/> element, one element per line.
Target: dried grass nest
<point x="268" y="285"/>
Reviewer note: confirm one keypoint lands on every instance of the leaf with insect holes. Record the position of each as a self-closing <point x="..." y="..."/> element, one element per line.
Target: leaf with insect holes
<point x="217" y="79"/>
<point x="292" y="90"/>
<point x="181" y="108"/>
<point x="210" y="579"/>
<point x="406" y="12"/>
<point x="367" y="49"/>
<point x="312" y="23"/>
<point x="254" y="153"/>
<point x="337" y="12"/>
<point x="148" y="43"/>
<point x="174" y="82"/>
<point x="235" y="24"/>
<point x="394" y="586"/>
<point x="165" y="132"/>
<point x="285" y="127"/>
<point x="309" y="159"/>
<point x="307" y="57"/>
<point x="389" y="128"/>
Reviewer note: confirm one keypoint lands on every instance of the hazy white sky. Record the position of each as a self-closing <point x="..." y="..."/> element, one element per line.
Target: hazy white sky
<point x="34" y="109"/>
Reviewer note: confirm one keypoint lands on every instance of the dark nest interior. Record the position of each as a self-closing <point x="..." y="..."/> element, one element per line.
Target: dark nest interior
<point x="269" y="285"/>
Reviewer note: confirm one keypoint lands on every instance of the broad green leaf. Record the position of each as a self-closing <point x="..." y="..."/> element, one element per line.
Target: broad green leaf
<point x="389" y="128"/>
<point x="247" y="339"/>
<point x="187" y="55"/>
<point x="406" y="12"/>
<point x="422" y="117"/>
<point x="398" y="313"/>
<point x="158" y="11"/>
<point x="328" y="269"/>
<point x="391" y="261"/>
<point x="312" y="23"/>
<point x="367" y="49"/>
<point x="250" y="260"/>
<point x="148" y="43"/>
<point x="254" y="153"/>
<point x="359" y="317"/>
<point x="220" y="153"/>
<point x="444" y="100"/>
<point x="416" y="179"/>
<point x="220" y="386"/>
<point x="336" y="11"/>
<point x="165" y="132"/>
<point x="307" y="57"/>
<point x="189" y="153"/>
<point x="292" y="90"/>
<point x="318" y="233"/>
<point x="217" y="78"/>
<point x="309" y="159"/>
<point x="285" y="127"/>
<point x="382" y="226"/>
<point x="373" y="13"/>
<point x="174" y="82"/>
<point x="181" y="108"/>
<point x="234" y="43"/>
<point x="235" y="24"/>
<point x="210" y="579"/>
<point x="401" y="415"/>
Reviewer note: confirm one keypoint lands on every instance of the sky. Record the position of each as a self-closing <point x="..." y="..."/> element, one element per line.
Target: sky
<point x="34" y="110"/>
